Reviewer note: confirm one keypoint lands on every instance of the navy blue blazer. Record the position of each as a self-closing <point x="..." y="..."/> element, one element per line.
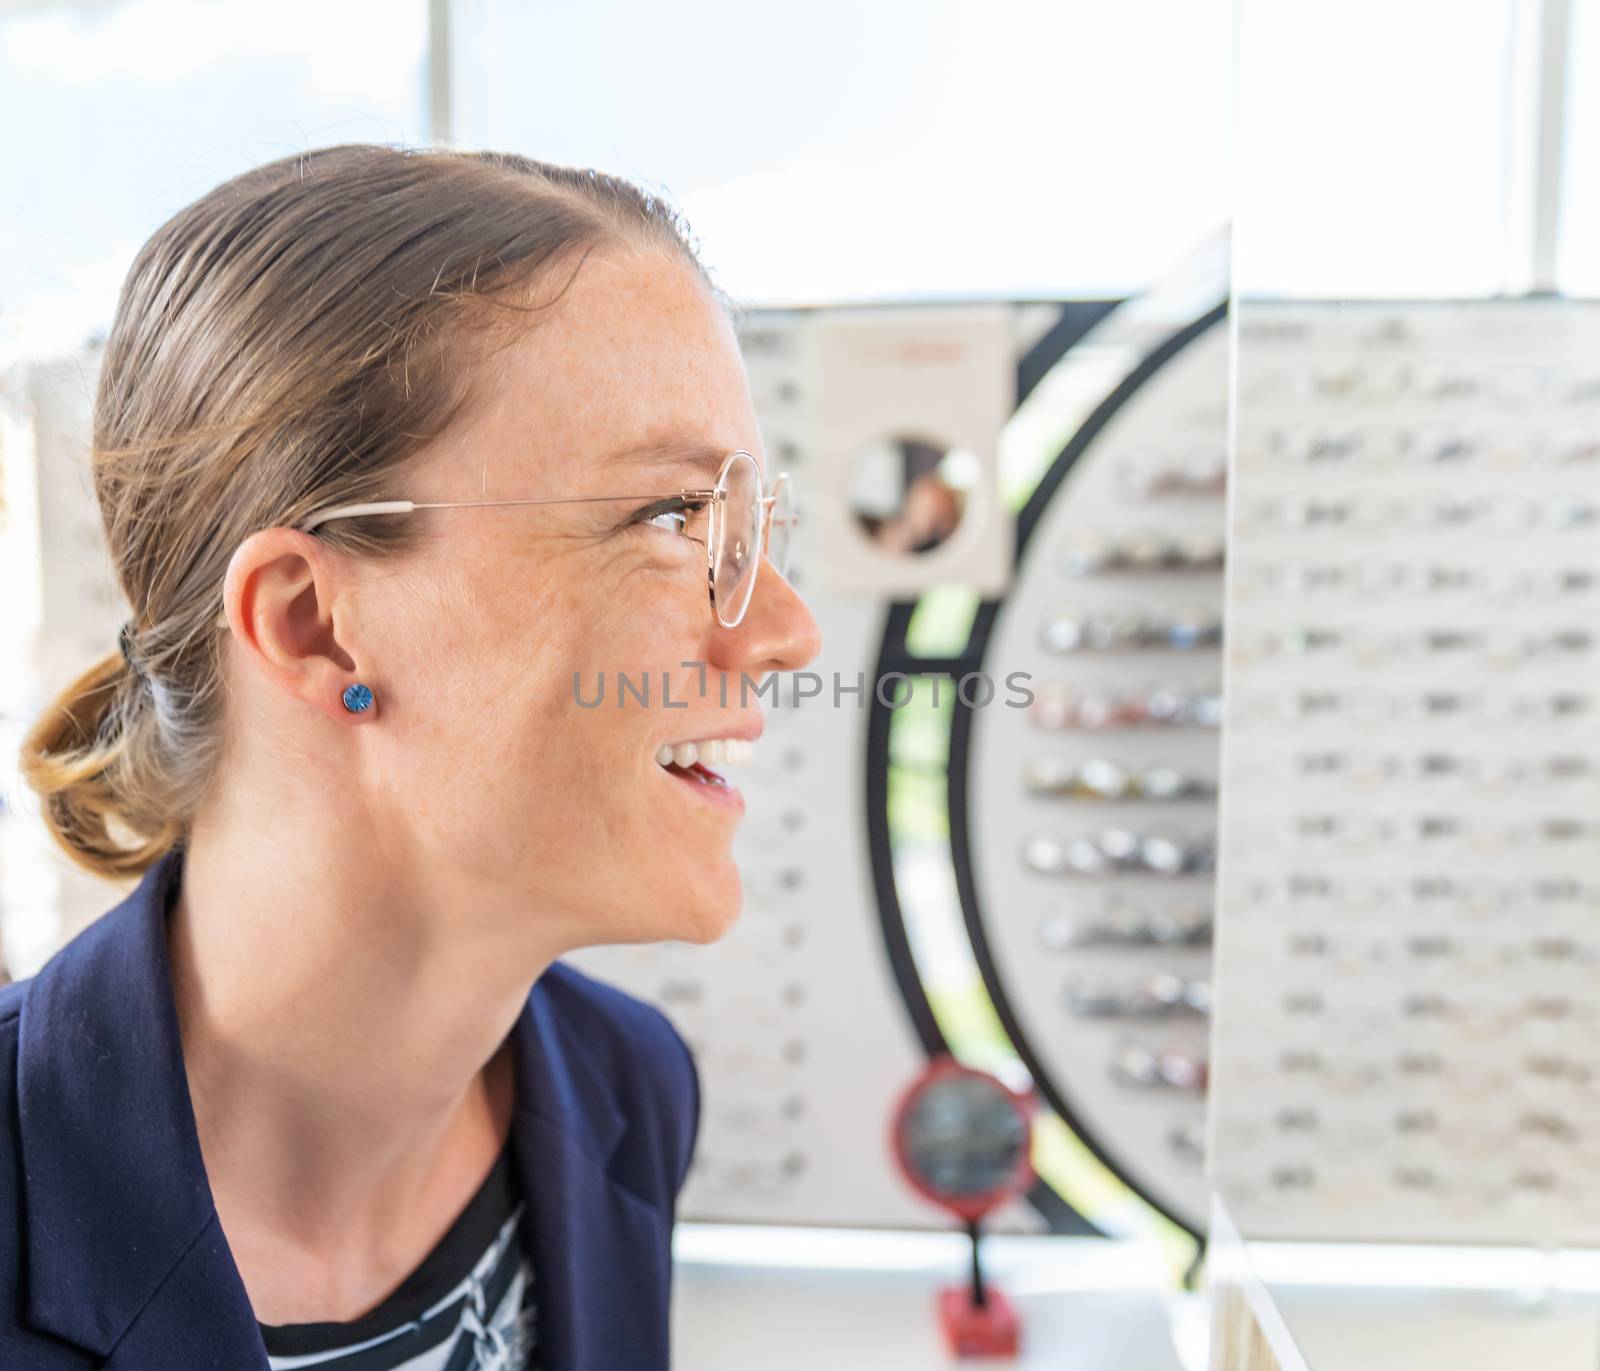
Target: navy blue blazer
<point x="111" y="1253"/>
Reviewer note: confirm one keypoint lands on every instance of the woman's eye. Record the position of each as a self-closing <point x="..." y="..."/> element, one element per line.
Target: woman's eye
<point x="675" y="516"/>
<point x="673" y="520"/>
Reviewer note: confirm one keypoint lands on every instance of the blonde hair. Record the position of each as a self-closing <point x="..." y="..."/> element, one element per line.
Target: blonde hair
<point x="286" y="342"/>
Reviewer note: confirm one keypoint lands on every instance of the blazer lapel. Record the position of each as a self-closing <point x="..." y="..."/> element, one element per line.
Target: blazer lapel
<point x="601" y="1254"/>
<point x="200" y="1316"/>
<point x="124" y="1251"/>
<point x="116" y="1187"/>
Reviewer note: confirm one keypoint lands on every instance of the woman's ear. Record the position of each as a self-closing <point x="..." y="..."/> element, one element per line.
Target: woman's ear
<point x="286" y="597"/>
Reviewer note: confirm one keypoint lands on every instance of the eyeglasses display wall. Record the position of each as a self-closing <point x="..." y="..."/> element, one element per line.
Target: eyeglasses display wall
<point x="1405" y="1042"/>
<point x="806" y="1018"/>
<point x="1086" y="822"/>
<point x="796" y="1017"/>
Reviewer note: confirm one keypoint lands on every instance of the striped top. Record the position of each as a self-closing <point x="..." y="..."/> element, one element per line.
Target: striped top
<point x="468" y="1307"/>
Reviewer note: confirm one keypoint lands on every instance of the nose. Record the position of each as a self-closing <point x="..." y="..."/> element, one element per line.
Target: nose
<point x="778" y="631"/>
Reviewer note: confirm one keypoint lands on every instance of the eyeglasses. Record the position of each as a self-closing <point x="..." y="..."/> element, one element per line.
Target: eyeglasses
<point x="741" y="518"/>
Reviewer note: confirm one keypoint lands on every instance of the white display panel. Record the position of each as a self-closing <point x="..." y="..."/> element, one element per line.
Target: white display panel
<point x="1092" y="812"/>
<point x="1405" y="1025"/>
<point x="942" y="377"/>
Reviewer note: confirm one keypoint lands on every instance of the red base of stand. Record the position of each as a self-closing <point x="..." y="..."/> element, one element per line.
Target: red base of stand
<point x="972" y="1330"/>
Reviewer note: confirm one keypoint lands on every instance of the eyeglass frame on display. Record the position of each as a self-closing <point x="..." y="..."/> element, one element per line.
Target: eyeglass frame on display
<point x="717" y="494"/>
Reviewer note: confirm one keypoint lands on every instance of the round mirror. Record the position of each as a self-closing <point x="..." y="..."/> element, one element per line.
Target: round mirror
<point x="962" y="1138"/>
<point x="909" y="493"/>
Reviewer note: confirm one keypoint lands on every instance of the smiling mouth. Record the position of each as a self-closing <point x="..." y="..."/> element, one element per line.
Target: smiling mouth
<point x="697" y="772"/>
<point x="689" y="760"/>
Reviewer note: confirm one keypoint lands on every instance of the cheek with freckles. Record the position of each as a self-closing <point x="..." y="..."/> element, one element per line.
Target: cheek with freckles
<point x="506" y="776"/>
<point x="467" y="708"/>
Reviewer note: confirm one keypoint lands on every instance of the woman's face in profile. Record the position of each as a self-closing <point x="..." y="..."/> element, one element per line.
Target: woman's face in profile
<point x="496" y="772"/>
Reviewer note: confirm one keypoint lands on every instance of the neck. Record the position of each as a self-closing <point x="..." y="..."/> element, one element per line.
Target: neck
<point x="347" y="1050"/>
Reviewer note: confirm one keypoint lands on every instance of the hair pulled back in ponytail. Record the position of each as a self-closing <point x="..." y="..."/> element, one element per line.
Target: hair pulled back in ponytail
<point x="288" y="341"/>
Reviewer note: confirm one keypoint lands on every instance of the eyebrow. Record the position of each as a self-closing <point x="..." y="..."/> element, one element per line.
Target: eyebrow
<point x="702" y="455"/>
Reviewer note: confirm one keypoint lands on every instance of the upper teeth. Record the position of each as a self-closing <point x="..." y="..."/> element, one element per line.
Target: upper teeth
<point x="715" y="751"/>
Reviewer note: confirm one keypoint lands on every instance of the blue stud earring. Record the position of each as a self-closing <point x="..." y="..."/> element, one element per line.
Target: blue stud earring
<point x="357" y="698"/>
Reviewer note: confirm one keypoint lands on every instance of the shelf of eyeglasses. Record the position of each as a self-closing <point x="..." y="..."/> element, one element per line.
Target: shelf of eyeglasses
<point x="749" y="1174"/>
<point x="1419" y="1123"/>
<point x="1360" y="828"/>
<point x="1099" y="778"/>
<point x="1367" y="578"/>
<point x="1368" y="768"/>
<point x="1413" y="1073"/>
<point x="772" y="882"/>
<point x="1120" y="851"/>
<point x="1470" y="1018"/>
<point x="1159" y="996"/>
<point x="751" y="1112"/>
<point x="1157" y="478"/>
<point x="772" y="821"/>
<point x="1351" y="1084"/>
<point x="690" y="993"/>
<point x="1074" y="709"/>
<point x="1443" y="892"/>
<point x="1469" y="1190"/>
<point x="1368" y="707"/>
<point x="1497" y="647"/>
<point x="1121" y="923"/>
<point x="1472" y="1186"/>
<point x="1073" y="629"/>
<point x="751" y="1057"/>
<point x="1139" y="1067"/>
<point x="1423" y="1069"/>
<point x="1398" y="952"/>
<point x="1514" y="387"/>
<point x="1091" y="553"/>
<point x="1427" y="448"/>
<point x="1501" y="514"/>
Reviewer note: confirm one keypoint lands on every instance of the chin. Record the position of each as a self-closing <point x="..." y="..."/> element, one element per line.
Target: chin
<point x="710" y="917"/>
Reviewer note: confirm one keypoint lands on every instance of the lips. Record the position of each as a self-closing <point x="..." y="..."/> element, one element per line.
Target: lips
<point x="706" y="786"/>
<point x="700" y="772"/>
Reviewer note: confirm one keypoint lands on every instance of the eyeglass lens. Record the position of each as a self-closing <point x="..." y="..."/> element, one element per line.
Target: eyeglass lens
<point x="737" y="549"/>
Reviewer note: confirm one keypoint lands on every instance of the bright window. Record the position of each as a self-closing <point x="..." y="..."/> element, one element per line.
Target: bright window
<point x="1372" y="147"/>
<point x="896" y="149"/>
<point x="1578" y="262"/>
<point x="116" y="116"/>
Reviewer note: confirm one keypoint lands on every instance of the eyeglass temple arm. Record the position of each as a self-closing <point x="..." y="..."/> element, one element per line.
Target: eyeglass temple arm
<point x="406" y="507"/>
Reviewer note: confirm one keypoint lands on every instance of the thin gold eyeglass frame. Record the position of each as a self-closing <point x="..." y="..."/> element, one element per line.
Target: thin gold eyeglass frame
<point x="716" y="496"/>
